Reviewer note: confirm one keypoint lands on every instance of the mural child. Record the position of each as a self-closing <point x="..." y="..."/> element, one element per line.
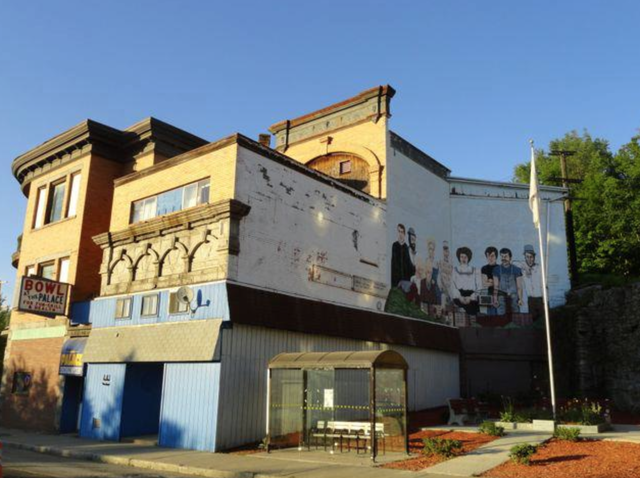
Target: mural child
<point x="466" y="283"/>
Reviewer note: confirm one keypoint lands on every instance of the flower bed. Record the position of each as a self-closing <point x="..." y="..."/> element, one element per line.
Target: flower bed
<point x="470" y="441"/>
<point x="583" y="459"/>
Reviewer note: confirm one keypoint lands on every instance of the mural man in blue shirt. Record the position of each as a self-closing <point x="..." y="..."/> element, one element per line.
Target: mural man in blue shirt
<point x="507" y="279"/>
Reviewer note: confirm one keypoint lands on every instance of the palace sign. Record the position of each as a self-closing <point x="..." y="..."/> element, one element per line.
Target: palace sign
<point x="43" y="296"/>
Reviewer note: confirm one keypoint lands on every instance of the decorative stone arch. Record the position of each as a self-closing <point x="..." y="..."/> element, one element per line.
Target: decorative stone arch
<point x="205" y="240"/>
<point x="182" y="261"/>
<point x="149" y="252"/>
<point x="122" y="266"/>
<point x="336" y="147"/>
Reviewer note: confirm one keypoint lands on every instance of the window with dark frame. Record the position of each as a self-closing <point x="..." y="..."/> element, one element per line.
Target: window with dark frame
<point x="149" y="305"/>
<point x="123" y="308"/>
<point x="345" y="167"/>
<point x="21" y="383"/>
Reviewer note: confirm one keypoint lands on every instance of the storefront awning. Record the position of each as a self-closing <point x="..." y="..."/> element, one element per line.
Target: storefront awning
<point x="323" y="360"/>
<point x="192" y="341"/>
<point x="71" y="358"/>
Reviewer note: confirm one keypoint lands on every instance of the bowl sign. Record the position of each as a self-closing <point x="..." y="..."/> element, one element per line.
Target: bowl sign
<point x="43" y="296"/>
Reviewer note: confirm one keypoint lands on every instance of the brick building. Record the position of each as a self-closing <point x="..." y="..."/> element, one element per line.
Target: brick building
<point x="208" y="259"/>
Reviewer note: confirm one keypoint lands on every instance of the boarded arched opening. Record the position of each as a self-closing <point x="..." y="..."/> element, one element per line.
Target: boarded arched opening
<point x="346" y="168"/>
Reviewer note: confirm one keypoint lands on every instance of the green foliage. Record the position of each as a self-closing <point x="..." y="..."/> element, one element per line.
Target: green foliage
<point x="567" y="434"/>
<point x="5" y="315"/>
<point x="606" y="209"/>
<point x="582" y="412"/>
<point x="510" y="415"/>
<point x="491" y="429"/>
<point x="441" y="446"/>
<point x="397" y="303"/>
<point x="522" y="453"/>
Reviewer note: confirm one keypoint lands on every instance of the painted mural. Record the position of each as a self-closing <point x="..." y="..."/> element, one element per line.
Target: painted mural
<point x="464" y="289"/>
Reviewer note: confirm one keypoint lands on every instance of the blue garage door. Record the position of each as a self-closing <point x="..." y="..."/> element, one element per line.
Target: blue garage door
<point x="102" y="405"/>
<point x="189" y="406"/>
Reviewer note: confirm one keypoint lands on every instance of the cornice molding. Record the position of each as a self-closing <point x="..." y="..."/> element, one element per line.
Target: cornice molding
<point x="229" y="208"/>
<point x="110" y="143"/>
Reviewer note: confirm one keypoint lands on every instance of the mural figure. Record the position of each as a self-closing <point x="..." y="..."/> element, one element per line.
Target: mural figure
<point x="431" y="272"/>
<point x="465" y="283"/>
<point x="413" y="244"/>
<point x="491" y="253"/>
<point x="507" y="282"/>
<point x="402" y="268"/>
<point x="445" y="269"/>
<point x="532" y="278"/>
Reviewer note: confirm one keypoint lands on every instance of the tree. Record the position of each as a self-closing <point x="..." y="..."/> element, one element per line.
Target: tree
<point x="606" y="204"/>
<point x="5" y="314"/>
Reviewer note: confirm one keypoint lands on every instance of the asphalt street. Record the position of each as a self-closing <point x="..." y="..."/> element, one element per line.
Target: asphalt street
<point x="28" y="464"/>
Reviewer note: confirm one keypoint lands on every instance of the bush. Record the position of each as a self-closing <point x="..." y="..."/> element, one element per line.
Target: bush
<point x="567" y="434"/>
<point x="522" y="453"/>
<point x="441" y="446"/>
<point x="582" y="413"/>
<point x="491" y="429"/>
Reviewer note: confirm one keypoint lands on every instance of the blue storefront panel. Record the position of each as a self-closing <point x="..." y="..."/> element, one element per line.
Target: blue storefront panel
<point x="189" y="406"/>
<point x="142" y="395"/>
<point x="102" y="404"/>
<point x="210" y="302"/>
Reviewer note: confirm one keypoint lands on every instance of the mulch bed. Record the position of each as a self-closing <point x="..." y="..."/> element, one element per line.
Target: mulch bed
<point x="470" y="441"/>
<point x="583" y="459"/>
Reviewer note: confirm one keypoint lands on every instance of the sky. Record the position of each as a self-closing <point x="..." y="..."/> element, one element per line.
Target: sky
<point x="475" y="79"/>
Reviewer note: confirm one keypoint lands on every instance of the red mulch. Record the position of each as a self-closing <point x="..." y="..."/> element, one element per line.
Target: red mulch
<point x="581" y="459"/>
<point x="470" y="441"/>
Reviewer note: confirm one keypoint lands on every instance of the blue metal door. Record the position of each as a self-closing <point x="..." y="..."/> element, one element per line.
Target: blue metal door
<point x="102" y="405"/>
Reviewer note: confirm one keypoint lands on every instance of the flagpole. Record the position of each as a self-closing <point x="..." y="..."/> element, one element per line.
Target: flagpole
<point x="534" y="175"/>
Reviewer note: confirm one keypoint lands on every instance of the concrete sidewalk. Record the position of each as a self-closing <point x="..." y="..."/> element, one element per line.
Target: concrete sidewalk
<point x="486" y="457"/>
<point x="189" y="462"/>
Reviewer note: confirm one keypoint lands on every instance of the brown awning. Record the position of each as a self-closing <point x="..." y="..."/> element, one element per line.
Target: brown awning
<point x="263" y="308"/>
<point x="190" y="341"/>
<point x="321" y="360"/>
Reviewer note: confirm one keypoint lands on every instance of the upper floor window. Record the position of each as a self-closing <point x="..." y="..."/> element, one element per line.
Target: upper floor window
<point x="46" y="270"/>
<point x="171" y="201"/>
<point x="56" y="201"/>
<point x="63" y="269"/>
<point x="345" y="167"/>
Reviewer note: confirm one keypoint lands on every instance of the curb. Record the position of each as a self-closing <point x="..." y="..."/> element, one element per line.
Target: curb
<point x="134" y="462"/>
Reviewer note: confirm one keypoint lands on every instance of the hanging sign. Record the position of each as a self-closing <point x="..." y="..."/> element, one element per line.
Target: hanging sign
<point x="43" y="296"/>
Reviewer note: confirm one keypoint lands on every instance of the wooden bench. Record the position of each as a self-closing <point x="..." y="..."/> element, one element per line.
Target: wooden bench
<point x="345" y="431"/>
<point x="461" y="410"/>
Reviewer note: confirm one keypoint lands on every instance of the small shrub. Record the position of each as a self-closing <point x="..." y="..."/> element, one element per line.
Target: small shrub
<point x="522" y="453"/>
<point x="567" y="434"/>
<point x="441" y="446"/>
<point x="491" y="429"/>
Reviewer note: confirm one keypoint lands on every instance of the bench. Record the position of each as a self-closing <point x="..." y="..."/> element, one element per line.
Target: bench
<point x="461" y="410"/>
<point x="345" y="432"/>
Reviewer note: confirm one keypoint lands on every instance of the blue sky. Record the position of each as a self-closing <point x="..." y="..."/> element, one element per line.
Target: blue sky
<point x="475" y="79"/>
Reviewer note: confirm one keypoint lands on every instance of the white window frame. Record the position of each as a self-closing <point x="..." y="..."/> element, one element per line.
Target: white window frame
<point x="144" y="300"/>
<point x="74" y="194"/>
<point x="175" y="306"/>
<point x="41" y="207"/>
<point x="123" y="303"/>
<point x="63" y="269"/>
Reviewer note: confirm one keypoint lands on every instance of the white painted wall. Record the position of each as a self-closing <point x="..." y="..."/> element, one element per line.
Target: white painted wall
<point x="433" y="376"/>
<point x="297" y="223"/>
<point x="485" y="214"/>
<point x="419" y="199"/>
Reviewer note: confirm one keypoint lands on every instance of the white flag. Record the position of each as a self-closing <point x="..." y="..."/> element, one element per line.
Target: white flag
<point x="534" y="199"/>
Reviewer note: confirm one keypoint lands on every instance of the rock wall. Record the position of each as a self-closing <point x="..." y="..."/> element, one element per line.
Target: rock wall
<point x="596" y="340"/>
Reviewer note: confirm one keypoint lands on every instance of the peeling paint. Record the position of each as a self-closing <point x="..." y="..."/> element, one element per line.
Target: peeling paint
<point x="288" y="189"/>
<point x="355" y="235"/>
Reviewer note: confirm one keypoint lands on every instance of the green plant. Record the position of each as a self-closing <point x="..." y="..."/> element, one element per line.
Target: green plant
<point x="591" y="414"/>
<point x="441" y="446"/>
<point x="567" y="434"/>
<point x="522" y="453"/>
<point x="583" y="413"/>
<point x="491" y="429"/>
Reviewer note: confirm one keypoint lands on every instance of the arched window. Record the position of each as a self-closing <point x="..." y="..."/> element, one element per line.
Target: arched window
<point x="346" y="168"/>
